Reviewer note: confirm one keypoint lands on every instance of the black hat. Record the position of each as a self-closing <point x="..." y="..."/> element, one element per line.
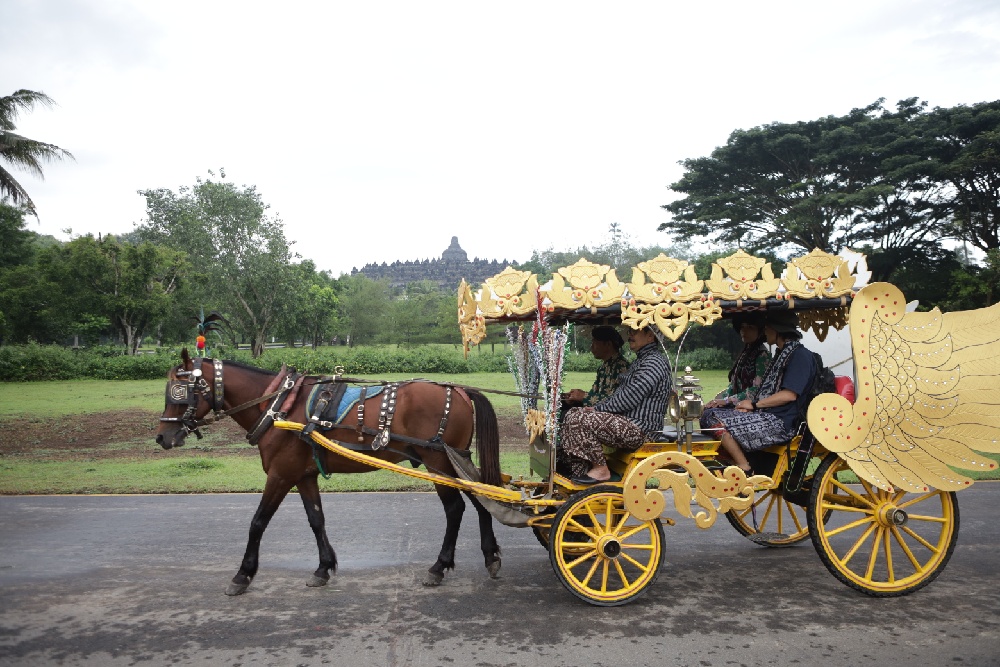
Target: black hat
<point x="783" y="321"/>
<point x="608" y="335"/>
<point x="752" y="318"/>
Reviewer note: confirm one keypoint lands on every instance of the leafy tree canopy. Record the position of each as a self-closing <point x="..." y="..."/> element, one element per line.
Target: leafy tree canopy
<point x="21" y="152"/>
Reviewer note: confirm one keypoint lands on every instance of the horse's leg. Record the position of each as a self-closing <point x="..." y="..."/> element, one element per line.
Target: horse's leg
<point x="454" y="507"/>
<point x="487" y="539"/>
<point x="275" y="490"/>
<point x="309" y="492"/>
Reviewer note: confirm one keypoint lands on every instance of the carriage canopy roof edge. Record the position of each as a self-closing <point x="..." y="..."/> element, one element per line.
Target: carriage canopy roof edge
<point x="666" y="293"/>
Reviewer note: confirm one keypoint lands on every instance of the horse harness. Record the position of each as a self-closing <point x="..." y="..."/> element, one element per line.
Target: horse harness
<point x="191" y="386"/>
<point x="322" y="414"/>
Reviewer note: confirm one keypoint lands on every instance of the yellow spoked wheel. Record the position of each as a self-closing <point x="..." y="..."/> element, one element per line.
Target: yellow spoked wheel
<point x="601" y="553"/>
<point x="882" y="543"/>
<point x="771" y="521"/>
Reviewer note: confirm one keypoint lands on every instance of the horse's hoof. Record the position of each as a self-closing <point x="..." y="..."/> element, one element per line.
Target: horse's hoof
<point x="433" y="579"/>
<point x="237" y="589"/>
<point x="494" y="569"/>
<point x="316" y="582"/>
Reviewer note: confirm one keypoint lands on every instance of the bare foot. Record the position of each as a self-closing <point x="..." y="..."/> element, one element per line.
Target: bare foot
<point x="600" y="473"/>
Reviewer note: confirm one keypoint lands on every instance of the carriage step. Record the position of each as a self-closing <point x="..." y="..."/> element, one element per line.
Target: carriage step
<point x="767" y="538"/>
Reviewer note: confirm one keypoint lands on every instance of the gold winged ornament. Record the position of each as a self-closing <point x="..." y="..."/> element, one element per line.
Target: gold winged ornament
<point x="928" y="394"/>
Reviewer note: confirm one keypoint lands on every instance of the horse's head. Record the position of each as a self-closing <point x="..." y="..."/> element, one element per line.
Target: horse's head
<point x="193" y="389"/>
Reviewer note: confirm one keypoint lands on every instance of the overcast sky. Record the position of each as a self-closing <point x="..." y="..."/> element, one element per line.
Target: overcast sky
<point x="378" y="130"/>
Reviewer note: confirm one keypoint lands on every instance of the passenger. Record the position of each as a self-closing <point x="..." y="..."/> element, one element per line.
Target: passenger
<point x="747" y="373"/>
<point x="772" y="415"/>
<point x="624" y="420"/>
<point x="606" y="344"/>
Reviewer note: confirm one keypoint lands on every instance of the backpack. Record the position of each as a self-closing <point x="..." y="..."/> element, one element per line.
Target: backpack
<point x="824" y="382"/>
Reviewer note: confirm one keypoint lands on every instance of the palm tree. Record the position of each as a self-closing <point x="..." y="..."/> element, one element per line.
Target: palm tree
<point x="21" y="152"/>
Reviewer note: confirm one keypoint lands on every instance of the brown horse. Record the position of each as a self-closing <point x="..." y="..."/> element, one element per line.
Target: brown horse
<point x="198" y="386"/>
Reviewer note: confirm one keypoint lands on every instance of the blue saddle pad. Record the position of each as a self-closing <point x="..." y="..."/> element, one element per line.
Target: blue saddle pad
<point x="336" y="413"/>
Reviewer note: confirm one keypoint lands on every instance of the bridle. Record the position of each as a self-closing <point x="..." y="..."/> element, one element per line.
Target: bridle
<point x="190" y="391"/>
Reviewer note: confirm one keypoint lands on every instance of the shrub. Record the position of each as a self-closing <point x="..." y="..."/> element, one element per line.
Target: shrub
<point x="705" y="358"/>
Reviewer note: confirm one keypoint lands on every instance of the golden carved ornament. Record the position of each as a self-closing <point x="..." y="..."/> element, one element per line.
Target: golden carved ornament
<point x="665" y="283"/>
<point x="590" y="286"/>
<point x="670" y="318"/>
<point x="471" y="324"/>
<point x="821" y="321"/>
<point x="928" y="394"/>
<point x="743" y="283"/>
<point x="534" y="424"/>
<point x="734" y="490"/>
<point x="818" y="275"/>
<point x="516" y="293"/>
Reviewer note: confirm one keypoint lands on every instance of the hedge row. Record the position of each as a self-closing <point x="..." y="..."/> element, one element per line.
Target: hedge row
<point x="20" y="363"/>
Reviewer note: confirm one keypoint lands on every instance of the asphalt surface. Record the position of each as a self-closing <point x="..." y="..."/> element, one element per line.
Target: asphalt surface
<point x="139" y="580"/>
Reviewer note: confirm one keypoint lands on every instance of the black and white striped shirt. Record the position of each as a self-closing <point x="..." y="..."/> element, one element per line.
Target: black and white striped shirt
<point x="642" y="390"/>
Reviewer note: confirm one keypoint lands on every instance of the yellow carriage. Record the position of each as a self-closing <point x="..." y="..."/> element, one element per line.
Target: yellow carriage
<point x="872" y="482"/>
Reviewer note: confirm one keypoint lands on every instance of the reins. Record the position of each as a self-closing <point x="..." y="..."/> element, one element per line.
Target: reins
<point x="350" y="380"/>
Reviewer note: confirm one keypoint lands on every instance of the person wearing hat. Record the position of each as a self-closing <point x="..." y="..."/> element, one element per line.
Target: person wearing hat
<point x="625" y="419"/>
<point x="747" y="373"/>
<point x="771" y="416"/>
<point x="605" y="344"/>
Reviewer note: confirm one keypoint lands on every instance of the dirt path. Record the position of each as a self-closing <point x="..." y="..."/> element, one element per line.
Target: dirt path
<point x="127" y="434"/>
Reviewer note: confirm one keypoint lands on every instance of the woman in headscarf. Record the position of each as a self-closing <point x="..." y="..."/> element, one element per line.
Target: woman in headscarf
<point x="605" y="344"/>
<point x="771" y="416"/>
<point x="747" y="374"/>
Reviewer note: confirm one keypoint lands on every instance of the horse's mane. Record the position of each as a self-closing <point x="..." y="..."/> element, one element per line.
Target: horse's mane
<point x="248" y="367"/>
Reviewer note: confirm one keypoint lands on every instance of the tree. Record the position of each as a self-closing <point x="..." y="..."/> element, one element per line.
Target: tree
<point x="21" y="152"/>
<point x="364" y="304"/>
<point x="965" y="155"/>
<point x="130" y="285"/>
<point x="16" y="248"/>
<point x="314" y="314"/>
<point x="826" y="183"/>
<point x="239" y="251"/>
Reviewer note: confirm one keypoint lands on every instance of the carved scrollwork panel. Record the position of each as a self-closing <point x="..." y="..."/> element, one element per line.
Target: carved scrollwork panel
<point x="585" y="285"/>
<point x="733" y="490"/>
<point x="818" y="275"/>
<point x="665" y="282"/>
<point x="746" y="277"/>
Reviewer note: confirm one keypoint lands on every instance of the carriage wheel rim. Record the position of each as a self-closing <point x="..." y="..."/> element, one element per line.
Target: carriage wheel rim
<point x="878" y="542"/>
<point x="603" y="555"/>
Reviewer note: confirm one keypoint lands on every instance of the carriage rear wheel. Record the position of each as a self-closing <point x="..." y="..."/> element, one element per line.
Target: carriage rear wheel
<point x="601" y="553"/>
<point x="771" y="521"/>
<point x="882" y="543"/>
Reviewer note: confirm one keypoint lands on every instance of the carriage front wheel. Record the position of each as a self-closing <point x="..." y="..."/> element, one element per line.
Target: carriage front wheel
<point x="601" y="553"/>
<point x="882" y="543"/>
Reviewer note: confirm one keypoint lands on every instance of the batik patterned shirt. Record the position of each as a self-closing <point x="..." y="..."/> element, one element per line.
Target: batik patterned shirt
<point x="608" y="377"/>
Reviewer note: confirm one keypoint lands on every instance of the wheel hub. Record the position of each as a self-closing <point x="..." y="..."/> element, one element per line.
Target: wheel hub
<point x="609" y="547"/>
<point x="890" y="515"/>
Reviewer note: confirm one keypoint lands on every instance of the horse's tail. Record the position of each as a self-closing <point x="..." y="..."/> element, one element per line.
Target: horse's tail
<point x="487" y="438"/>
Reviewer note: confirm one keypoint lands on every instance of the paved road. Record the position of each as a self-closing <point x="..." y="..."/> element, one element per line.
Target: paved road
<point x="139" y="581"/>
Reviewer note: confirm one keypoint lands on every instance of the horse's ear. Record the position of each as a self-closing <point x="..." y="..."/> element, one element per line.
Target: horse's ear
<point x="185" y="357"/>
